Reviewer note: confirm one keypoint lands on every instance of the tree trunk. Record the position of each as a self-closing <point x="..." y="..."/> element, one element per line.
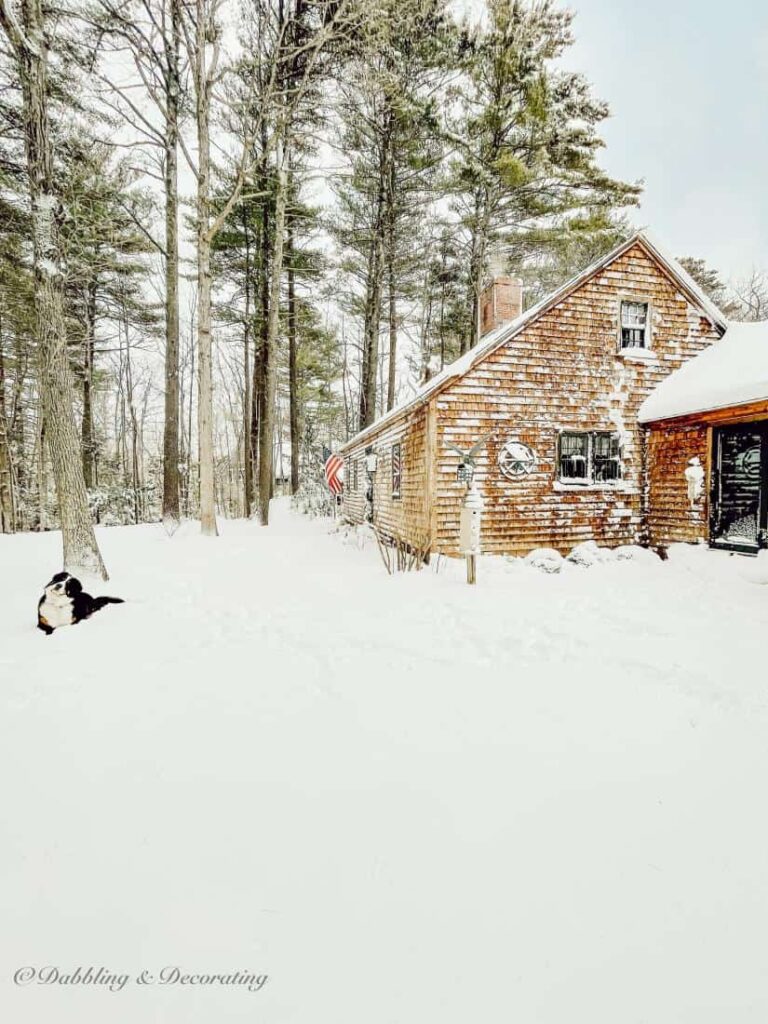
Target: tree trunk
<point x="391" y="278"/>
<point x="188" y="506"/>
<point x="81" y="552"/>
<point x="293" y="375"/>
<point x="134" y="461"/>
<point x="42" y="482"/>
<point x="258" y="389"/>
<point x="204" y="281"/>
<point x="247" y="382"/>
<point x="371" y="333"/>
<point x="7" y="502"/>
<point x="88" y="443"/>
<point x="372" y="321"/>
<point x="478" y="246"/>
<point x="267" y="424"/>
<point x="171" y="426"/>
<point x="205" y="388"/>
<point x="17" y="427"/>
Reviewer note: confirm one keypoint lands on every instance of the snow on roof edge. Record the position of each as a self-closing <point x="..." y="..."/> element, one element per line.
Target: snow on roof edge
<point x="731" y="373"/>
<point x="714" y="313"/>
<point x="505" y="332"/>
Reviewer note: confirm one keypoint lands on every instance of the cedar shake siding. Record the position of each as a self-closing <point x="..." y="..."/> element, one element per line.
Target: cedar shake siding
<point x="672" y="518"/>
<point x="671" y="445"/>
<point x="404" y="516"/>
<point x="562" y="370"/>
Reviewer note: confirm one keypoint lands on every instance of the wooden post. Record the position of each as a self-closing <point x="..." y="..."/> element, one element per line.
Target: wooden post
<point x="469" y="529"/>
<point x="471" y="568"/>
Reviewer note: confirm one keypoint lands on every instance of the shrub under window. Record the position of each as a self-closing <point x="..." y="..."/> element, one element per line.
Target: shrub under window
<point x="589" y="457"/>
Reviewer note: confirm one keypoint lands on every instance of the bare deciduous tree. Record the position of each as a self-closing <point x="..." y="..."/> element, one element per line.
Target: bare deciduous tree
<point x="151" y="30"/>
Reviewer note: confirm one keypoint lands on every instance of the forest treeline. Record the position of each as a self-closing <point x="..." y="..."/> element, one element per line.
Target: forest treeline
<point x="232" y="233"/>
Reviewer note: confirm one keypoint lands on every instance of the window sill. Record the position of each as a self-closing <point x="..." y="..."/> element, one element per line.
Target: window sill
<point x="617" y="485"/>
<point x="638" y="355"/>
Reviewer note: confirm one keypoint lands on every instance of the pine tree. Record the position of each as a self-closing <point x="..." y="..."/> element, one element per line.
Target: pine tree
<point x="713" y="285"/>
<point x="104" y="254"/>
<point x="526" y="141"/>
<point x="389" y="94"/>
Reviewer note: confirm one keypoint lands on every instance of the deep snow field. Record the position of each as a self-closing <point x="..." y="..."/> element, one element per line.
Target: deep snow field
<point x="540" y="800"/>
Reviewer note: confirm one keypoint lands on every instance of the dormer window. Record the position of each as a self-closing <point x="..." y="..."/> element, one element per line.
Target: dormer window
<point x="634" y="330"/>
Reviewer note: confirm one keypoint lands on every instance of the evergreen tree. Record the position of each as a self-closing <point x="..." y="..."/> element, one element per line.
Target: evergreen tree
<point x="712" y="284"/>
<point x="525" y="136"/>
<point x="104" y="253"/>
<point x="389" y="94"/>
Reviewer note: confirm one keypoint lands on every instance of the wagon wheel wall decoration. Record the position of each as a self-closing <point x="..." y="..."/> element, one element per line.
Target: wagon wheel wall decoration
<point x="516" y="460"/>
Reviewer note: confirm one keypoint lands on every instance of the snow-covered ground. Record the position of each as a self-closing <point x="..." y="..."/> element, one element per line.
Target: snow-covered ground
<point x="405" y="800"/>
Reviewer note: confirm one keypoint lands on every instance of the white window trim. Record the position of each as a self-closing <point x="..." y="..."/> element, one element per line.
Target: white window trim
<point x="569" y="484"/>
<point x="623" y="486"/>
<point x="638" y="355"/>
<point x="631" y="352"/>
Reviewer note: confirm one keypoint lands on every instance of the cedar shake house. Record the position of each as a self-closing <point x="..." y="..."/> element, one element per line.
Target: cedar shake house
<point x="713" y="413"/>
<point x="624" y="409"/>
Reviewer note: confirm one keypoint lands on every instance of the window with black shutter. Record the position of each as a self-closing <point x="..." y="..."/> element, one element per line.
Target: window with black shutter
<point x="397" y="471"/>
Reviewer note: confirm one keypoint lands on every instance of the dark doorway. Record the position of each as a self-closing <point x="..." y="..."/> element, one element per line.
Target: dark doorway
<point x="740" y="487"/>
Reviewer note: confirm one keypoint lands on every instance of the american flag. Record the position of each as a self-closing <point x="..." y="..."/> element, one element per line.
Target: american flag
<point x="334" y="471"/>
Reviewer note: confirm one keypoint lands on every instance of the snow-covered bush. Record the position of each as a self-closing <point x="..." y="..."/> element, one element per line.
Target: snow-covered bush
<point x="118" y="505"/>
<point x="313" y="499"/>
<point x="358" y="535"/>
<point x="635" y="553"/>
<point x="588" y="554"/>
<point x="545" y="559"/>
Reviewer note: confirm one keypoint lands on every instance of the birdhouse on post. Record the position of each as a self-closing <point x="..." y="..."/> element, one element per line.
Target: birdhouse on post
<point x="470" y="524"/>
<point x="464" y="472"/>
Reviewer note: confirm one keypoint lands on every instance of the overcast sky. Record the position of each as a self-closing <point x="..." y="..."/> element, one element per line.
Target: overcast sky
<point x="687" y="82"/>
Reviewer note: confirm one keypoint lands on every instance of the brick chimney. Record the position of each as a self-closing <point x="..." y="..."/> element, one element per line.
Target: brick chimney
<point x="500" y="301"/>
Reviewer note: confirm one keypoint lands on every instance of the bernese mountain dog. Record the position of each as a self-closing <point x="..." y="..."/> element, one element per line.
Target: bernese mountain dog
<point x="64" y="603"/>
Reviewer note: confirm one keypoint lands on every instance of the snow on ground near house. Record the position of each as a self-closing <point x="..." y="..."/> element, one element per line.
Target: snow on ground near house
<point x="404" y="799"/>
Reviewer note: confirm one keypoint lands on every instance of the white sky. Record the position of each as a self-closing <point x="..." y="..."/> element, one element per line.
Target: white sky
<point x="687" y="82"/>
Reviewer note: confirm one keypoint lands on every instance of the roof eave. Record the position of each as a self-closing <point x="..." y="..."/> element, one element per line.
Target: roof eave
<point x="641" y="237"/>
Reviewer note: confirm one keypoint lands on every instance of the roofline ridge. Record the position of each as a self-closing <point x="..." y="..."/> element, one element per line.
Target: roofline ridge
<point x="505" y="332"/>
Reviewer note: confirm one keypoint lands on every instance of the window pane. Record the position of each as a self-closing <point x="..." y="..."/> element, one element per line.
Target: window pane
<point x="634" y="324"/>
<point x="632" y="337"/>
<point x="606" y="457"/>
<point x="574" y="452"/>
<point x="634" y="314"/>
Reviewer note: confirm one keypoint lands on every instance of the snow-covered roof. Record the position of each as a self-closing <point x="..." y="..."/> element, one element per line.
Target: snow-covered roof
<point x="733" y="371"/>
<point x="505" y="332"/>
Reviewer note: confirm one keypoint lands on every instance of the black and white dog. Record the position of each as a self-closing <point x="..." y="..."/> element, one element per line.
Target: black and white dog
<point x="64" y="603"/>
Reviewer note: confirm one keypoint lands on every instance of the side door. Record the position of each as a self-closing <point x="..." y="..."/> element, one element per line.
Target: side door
<point x="739" y="503"/>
